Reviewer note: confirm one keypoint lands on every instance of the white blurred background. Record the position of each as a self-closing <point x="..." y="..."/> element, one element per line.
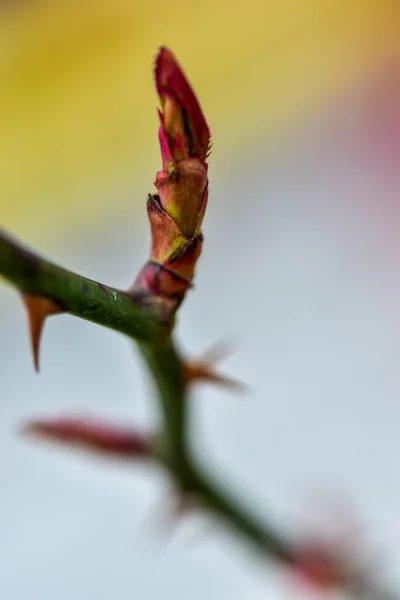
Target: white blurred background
<point x="300" y="268"/>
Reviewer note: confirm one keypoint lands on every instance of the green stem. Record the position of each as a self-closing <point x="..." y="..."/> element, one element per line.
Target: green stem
<point x="78" y="295"/>
<point x="125" y="313"/>
<point x="112" y="308"/>
<point x="165" y="365"/>
<point x="265" y="539"/>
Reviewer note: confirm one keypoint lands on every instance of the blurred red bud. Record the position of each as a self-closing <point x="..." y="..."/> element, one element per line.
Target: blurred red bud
<point x="176" y="212"/>
<point x="94" y="435"/>
<point x="184" y="142"/>
<point x="320" y="566"/>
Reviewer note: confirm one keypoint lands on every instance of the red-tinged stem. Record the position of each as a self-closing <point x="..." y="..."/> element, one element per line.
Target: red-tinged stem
<point x="112" y="308"/>
<point x="146" y="315"/>
<point x="140" y="321"/>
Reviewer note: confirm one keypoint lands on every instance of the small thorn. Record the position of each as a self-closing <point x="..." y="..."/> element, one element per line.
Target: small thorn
<point x="194" y="371"/>
<point x="94" y="435"/>
<point x="38" y="309"/>
<point x="203" y="369"/>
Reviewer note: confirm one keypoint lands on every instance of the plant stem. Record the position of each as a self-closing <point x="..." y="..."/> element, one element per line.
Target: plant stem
<point x="79" y="296"/>
<point x="138" y="319"/>
<point x="117" y="310"/>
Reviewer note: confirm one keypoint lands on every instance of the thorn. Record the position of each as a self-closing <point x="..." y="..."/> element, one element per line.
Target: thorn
<point x="38" y="309"/>
<point x="94" y="435"/>
<point x="164" y="519"/>
<point x="167" y="514"/>
<point x="203" y="369"/>
<point x="194" y="371"/>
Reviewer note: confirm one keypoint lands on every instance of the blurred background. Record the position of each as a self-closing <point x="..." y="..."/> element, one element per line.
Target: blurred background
<point x="300" y="268"/>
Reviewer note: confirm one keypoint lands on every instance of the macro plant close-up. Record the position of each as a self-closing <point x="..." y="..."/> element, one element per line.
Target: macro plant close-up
<point x="269" y="474"/>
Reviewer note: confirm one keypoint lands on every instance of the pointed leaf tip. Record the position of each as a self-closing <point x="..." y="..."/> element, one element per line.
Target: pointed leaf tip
<point x="38" y="309"/>
<point x="172" y="84"/>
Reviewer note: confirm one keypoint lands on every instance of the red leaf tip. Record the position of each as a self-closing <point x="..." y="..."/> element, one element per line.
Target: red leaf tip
<point x="181" y="108"/>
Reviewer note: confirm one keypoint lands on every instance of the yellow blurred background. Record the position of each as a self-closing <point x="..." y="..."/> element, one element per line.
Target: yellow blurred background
<point x="77" y="104"/>
<point x="300" y="266"/>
